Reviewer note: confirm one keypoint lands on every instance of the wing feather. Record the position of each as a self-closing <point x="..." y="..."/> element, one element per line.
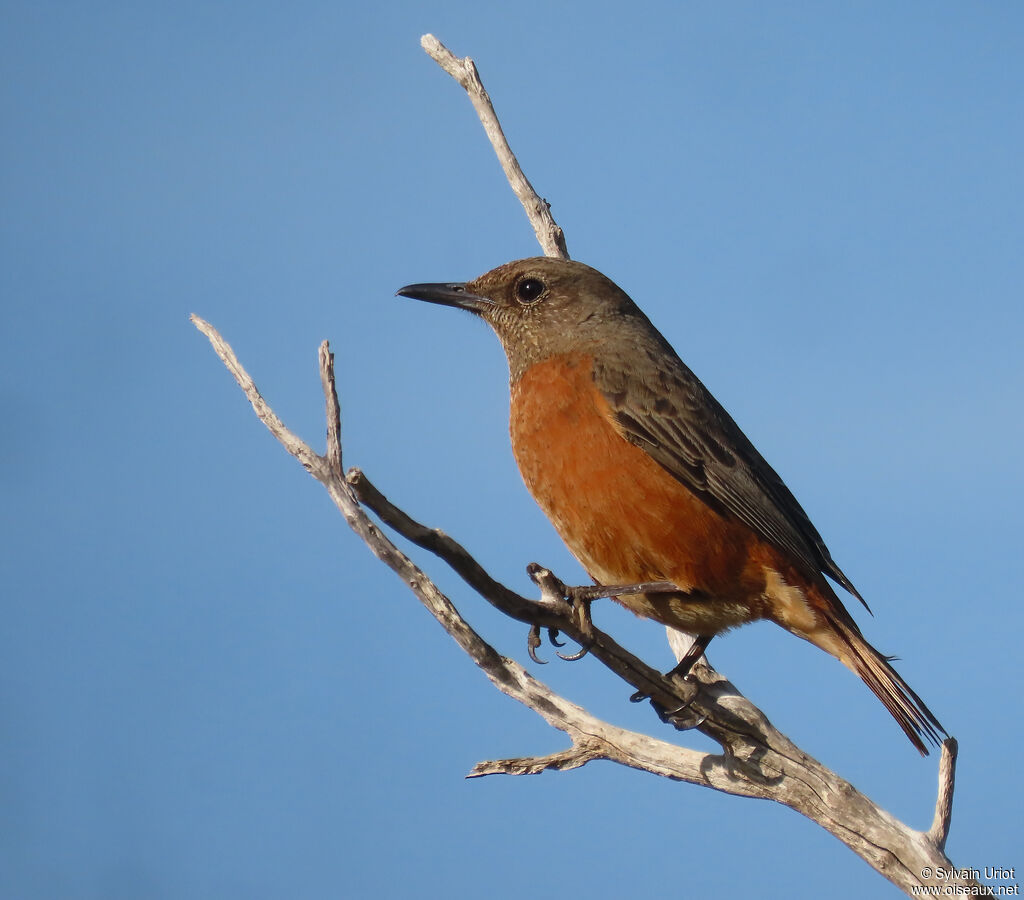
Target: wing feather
<point x="667" y="411"/>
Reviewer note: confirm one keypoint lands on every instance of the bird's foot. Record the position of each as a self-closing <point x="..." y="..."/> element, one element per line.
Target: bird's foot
<point x="681" y="671"/>
<point x="555" y="592"/>
<point x="682" y="717"/>
<point x="681" y="676"/>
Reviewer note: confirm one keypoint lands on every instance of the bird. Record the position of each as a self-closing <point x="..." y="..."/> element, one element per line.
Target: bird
<point x="646" y="477"/>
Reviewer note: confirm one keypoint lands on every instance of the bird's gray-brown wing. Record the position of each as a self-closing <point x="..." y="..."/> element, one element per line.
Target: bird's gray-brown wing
<point x="665" y="410"/>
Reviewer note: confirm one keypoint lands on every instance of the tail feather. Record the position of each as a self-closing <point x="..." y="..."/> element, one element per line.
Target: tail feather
<point x="909" y="710"/>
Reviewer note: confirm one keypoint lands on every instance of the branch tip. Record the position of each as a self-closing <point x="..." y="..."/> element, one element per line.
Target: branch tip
<point x="571" y="758"/>
<point x="549" y="235"/>
<point x="939" y="831"/>
<point x="333" y="455"/>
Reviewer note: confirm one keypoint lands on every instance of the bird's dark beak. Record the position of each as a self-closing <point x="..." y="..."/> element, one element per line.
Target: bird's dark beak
<point x="454" y="294"/>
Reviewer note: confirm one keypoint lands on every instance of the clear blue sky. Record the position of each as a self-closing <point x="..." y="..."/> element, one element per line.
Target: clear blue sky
<point x="209" y="689"/>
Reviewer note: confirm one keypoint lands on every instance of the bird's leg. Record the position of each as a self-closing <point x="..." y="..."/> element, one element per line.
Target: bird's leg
<point x="554" y="591"/>
<point x="696" y="651"/>
<point x="596" y="591"/>
<point x="680" y="670"/>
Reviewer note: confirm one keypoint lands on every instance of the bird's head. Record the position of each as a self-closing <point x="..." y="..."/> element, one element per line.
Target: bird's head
<point x="539" y="307"/>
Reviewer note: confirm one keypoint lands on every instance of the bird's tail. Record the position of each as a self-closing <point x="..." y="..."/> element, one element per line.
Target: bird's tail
<point x="909" y="710"/>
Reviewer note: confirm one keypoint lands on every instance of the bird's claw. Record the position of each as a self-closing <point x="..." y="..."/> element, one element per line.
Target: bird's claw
<point x="532" y="643"/>
<point x="572" y="657"/>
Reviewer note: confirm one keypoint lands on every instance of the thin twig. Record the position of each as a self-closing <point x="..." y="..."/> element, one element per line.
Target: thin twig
<point x="289" y="440"/>
<point x="333" y="455"/>
<point x="562" y="760"/>
<point x="551" y="612"/>
<point x="439" y="543"/>
<point x="538" y="210"/>
<point x="939" y="831"/>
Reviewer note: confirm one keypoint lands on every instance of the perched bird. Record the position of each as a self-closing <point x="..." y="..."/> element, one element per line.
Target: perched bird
<point x="647" y="478"/>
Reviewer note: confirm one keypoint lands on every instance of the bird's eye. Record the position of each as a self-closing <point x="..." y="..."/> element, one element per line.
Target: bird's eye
<point x="529" y="290"/>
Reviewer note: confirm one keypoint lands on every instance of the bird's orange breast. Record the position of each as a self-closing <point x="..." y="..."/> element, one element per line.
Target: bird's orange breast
<point x="623" y="516"/>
